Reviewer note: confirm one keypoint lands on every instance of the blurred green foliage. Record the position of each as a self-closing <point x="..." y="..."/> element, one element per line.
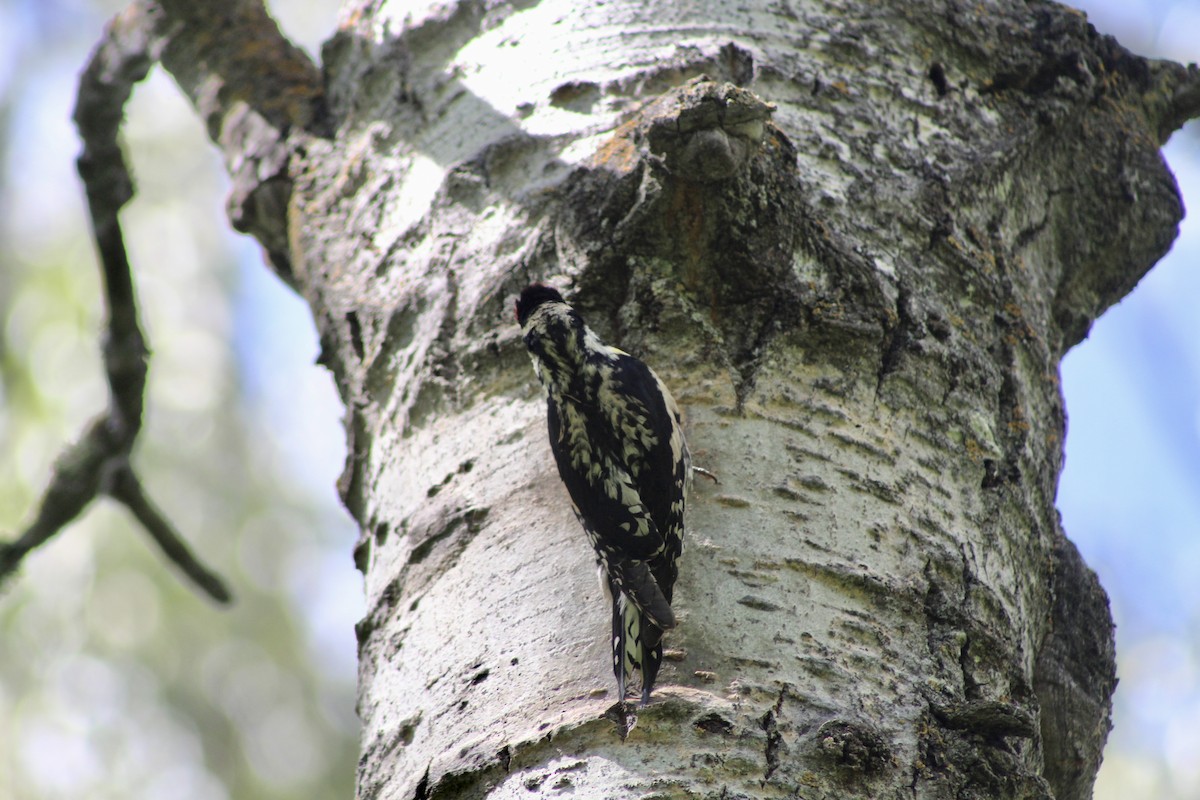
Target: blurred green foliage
<point x="117" y="680"/>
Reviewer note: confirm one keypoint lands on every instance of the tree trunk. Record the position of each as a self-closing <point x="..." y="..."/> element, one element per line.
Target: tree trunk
<point x="855" y="239"/>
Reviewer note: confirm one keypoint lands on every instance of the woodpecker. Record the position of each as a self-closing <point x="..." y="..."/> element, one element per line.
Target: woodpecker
<point x="617" y="437"/>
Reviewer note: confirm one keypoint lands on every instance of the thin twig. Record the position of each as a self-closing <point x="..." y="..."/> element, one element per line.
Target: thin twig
<point x="128" y="489"/>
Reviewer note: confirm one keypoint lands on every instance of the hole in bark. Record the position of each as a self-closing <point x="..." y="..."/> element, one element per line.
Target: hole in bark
<point x="579" y="96"/>
<point x="714" y="723"/>
<point x="937" y="74"/>
<point x="355" y="333"/>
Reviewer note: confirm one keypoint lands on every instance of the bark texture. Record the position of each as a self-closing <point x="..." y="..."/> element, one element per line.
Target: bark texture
<point x="855" y="239"/>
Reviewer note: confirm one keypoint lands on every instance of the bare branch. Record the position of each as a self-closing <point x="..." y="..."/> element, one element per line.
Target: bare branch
<point x="258" y="94"/>
<point x="128" y="489"/>
<point x="99" y="461"/>
<point x="75" y="482"/>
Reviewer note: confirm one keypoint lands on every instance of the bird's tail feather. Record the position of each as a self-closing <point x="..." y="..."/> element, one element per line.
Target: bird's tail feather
<point x="635" y="579"/>
<point x="637" y="645"/>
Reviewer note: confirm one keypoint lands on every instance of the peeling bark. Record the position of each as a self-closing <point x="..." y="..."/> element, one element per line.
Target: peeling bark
<point x="855" y="239"/>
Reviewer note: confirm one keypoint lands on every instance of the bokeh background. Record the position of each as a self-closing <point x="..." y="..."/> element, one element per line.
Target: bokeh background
<point x="116" y="681"/>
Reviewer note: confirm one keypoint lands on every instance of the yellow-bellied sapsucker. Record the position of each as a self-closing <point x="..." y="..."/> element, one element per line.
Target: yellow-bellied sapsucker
<point x="617" y="436"/>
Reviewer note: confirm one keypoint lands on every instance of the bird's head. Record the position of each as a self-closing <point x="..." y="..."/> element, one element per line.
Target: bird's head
<point x="532" y="296"/>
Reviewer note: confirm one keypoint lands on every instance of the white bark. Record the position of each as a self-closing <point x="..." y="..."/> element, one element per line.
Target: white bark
<point x="862" y="316"/>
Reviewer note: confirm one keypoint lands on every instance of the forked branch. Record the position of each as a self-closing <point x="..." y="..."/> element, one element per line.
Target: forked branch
<point x="99" y="462"/>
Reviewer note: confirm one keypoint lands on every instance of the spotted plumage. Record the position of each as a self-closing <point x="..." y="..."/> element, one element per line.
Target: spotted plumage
<point x="617" y="437"/>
